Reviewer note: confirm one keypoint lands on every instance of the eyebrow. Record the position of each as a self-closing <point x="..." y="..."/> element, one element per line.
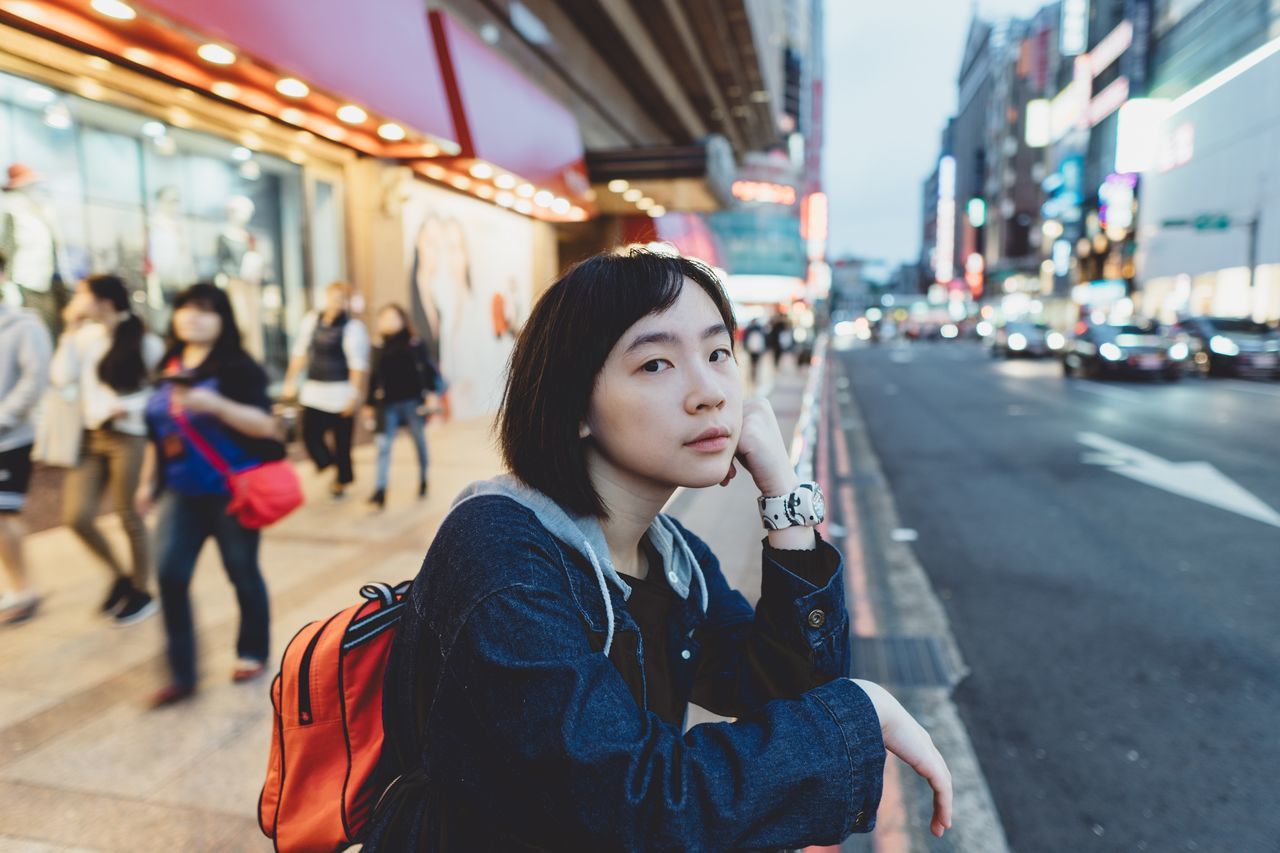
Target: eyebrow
<point x="668" y="338"/>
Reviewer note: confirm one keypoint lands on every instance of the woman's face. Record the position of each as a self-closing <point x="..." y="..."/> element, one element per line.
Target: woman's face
<point x="90" y="305"/>
<point x="670" y="379"/>
<point x="192" y="324"/>
<point x="389" y="323"/>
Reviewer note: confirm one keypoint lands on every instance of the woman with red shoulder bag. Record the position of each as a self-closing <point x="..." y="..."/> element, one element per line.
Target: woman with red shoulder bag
<point x="214" y="447"/>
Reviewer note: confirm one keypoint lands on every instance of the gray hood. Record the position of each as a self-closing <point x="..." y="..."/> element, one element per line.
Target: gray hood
<point x="584" y="534"/>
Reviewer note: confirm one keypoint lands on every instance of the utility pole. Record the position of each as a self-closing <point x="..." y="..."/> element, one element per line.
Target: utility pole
<point x="1252" y="227"/>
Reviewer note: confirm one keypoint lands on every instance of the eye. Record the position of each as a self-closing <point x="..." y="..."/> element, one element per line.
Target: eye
<point x="723" y="354"/>
<point x="655" y="365"/>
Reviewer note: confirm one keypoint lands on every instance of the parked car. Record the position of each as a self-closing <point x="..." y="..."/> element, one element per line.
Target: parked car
<point x="1019" y="338"/>
<point x="1233" y="346"/>
<point x="1134" y="350"/>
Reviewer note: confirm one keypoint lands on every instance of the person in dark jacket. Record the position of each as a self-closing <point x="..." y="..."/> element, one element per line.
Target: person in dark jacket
<point x="537" y="689"/>
<point x="401" y="376"/>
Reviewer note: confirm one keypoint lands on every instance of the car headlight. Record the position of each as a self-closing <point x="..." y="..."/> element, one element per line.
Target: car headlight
<point x="1179" y="351"/>
<point x="1056" y="340"/>
<point x="1223" y="346"/>
<point x="1111" y="352"/>
<point x="1017" y="341"/>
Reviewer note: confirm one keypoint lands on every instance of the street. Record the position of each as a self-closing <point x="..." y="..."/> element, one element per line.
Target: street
<point x="1115" y="605"/>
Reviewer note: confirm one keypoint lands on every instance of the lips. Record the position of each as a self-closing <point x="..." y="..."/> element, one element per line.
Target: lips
<point x="712" y="440"/>
<point x="710" y="433"/>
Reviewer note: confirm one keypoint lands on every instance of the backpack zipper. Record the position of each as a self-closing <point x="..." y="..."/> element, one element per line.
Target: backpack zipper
<point x="304" y="676"/>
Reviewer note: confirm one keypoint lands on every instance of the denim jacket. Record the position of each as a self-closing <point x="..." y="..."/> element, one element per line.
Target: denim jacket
<point x="514" y="700"/>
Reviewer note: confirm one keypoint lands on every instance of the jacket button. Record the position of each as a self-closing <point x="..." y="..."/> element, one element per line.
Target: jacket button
<point x="817" y="619"/>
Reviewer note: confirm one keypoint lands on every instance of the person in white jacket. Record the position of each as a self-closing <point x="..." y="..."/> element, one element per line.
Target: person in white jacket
<point x="24" y="374"/>
<point x="108" y="355"/>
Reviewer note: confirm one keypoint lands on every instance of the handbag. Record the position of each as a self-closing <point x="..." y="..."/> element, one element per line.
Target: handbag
<point x="59" y="428"/>
<point x="261" y="495"/>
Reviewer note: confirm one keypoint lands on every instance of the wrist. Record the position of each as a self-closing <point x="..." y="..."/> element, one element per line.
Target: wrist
<point x="779" y="482"/>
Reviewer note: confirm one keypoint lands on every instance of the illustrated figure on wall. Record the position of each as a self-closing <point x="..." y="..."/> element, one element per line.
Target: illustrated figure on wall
<point x="29" y="238"/>
<point x="240" y="272"/>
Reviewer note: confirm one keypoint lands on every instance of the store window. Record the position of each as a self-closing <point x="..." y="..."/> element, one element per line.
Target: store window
<point x="93" y="188"/>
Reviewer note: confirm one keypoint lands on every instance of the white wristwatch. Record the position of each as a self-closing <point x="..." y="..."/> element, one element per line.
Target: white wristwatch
<point x="804" y="506"/>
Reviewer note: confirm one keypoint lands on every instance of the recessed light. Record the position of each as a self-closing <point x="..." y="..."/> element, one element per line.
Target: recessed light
<point x="391" y="132"/>
<point x="293" y="115"/>
<point x="618" y="185"/>
<point x="223" y="89"/>
<point x="523" y="206"/>
<point x="215" y="53"/>
<point x="352" y="114"/>
<point x="525" y="190"/>
<point x="292" y="87"/>
<point x="484" y="191"/>
<point x="241" y="153"/>
<point x="543" y="198"/>
<point x="505" y="182"/>
<point x="483" y="171"/>
<point x="153" y="129"/>
<point x="57" y="117"/>
<point x="657" y="210"/>
<point x="560" y="206"/>
<point x="462" y="182"/>
<point x="633" y="195"/>
<point x="645" y="203"/>
<point x="436" y="173"/>
<point x="114" y="9"/>
<point x="506" y="199"/>
<point x="578" y="213"/>
<point x="140" y="56"/>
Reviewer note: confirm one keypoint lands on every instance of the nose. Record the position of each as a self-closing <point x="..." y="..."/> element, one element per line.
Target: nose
<point x="706" y="391"/>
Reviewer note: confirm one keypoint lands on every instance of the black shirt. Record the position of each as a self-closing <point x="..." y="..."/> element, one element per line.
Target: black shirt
<point x="401" y="370"/>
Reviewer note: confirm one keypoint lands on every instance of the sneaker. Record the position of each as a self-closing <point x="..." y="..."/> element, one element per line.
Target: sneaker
<point x="171" y="694"/>
<point x="337" y="492"/>
<point x="139" y="606"/>
<point x="379" y="498"/>
<point x="247" y="669"/>
<point x="18" y="607"/>
<point x="116" y="597"/>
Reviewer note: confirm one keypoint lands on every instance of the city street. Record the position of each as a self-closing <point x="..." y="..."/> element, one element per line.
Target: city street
<point x="1105" y="553"/>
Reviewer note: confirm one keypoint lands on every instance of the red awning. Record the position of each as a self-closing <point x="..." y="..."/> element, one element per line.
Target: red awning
<point x="378" y="54"/>
<point x="504" y="118"/>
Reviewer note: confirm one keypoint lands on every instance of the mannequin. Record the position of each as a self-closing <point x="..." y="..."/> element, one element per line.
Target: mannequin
<point x="29" y="239"/>
<point x="171" y="266"/>
<point x="240" y="270"/>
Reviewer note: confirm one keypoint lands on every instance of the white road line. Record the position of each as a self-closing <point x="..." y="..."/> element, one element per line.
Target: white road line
<point x="1104" y="391"/>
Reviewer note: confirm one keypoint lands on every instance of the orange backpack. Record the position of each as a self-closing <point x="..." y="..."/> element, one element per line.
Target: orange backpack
<point x="322" y="774"/>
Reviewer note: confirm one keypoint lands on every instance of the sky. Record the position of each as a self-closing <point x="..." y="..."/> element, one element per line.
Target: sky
<point x="890" y="86"/>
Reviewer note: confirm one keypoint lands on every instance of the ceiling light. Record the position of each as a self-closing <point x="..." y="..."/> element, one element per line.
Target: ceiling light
<point x="241" y="153"/>
<point x="293" y="115"/>
<point x="292" y="87"/>
<point x="484" y="191"/>
<point x="391" y="132"/>
<point x="223" y="89"/>
<point x="98" y="63"/>
<point x="543" y="198"/>
<point x="505" y="182"/>
<point x="523" y="206"/>
<point x="618" y="185"/>
<point x="506" y="199"/>
<point x="352" y="114"/>
<point x="483" y="171"/>
<point x="633" y="195"/>
<point x="560" y="206"/>
<point x="645" y="203"/>
<point x="215" y="53"/>
<point x="525" y="190"/>
<point x="297" y="156"/>
<point x="114" y="9"/>
<point x="429" y="150"/>
<point x="57" y="117"/>
<point x="657" y="210"/>
<point x="140" y="56"/>
<point x="39" y="95"/>
<point x="435" y="172"/>
<point x="578" y="213"/>
<point x="461" y="182"/>
<point x="154" y="129"/>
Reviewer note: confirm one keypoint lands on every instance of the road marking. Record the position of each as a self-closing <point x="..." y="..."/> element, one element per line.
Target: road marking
<point x="904" y="534"/>
<point x="1240" y="385"/>
<point x="1199" y="481"/>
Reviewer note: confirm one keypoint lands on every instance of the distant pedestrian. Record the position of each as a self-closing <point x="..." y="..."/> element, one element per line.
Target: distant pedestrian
<point x="401" y="377"/>
<point x="538" y="685"/>
<point x="780" y="338"/>
<point x="107" y="357"/>
<point x="756" y="342"/>
<point x="333" y="350"/>
<point x="210" y="387"/>
<point x="24" y="373"/>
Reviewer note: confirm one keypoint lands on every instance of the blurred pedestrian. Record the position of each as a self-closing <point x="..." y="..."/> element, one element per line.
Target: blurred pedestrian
<point x="401" y="377"/>
<point x="24" y="373"/>
<point x="107" y="356"/>
<point x="210" y="387"/>
<point x="333" y="350"/>
<point x="779" y="338"/>
<point x="561" y="625"/>
<point x="756" y="342"/>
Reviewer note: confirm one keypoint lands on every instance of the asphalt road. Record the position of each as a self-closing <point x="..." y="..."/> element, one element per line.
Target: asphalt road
<point x="1123" y="638"/>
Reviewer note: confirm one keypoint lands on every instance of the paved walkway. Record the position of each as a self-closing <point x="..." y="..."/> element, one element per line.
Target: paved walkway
<point x="83" y="765"/>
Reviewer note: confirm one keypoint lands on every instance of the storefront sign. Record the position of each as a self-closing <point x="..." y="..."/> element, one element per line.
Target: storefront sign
<point x="1111" y="48"/>
<point x="1074" y="28"/>
<point x="765" y="193"/>
<point x="944" y="256"/>
<point x="1108" y="101"/>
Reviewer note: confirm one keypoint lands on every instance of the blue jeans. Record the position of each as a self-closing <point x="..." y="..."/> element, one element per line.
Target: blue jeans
<point x="403" y="413"/>
<point x="185" y="523"/>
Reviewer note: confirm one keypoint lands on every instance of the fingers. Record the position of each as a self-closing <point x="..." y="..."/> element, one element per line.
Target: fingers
<point x="930" y="765"/>
<point x="733" y="472"/>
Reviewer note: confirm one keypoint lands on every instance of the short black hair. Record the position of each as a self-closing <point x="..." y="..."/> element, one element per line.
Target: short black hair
<point x="562" y="348"/>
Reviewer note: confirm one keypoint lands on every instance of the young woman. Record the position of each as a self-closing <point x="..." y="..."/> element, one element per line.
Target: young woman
<point x="537" y="690"/>
<point x="108" y="356"/>
<point x="208" y="386"/>
<point x="333" y="349"/>
<point x="401" y="375"/>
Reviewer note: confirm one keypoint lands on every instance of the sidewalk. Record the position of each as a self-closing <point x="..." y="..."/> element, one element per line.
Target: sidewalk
<point x="84" y="767"/>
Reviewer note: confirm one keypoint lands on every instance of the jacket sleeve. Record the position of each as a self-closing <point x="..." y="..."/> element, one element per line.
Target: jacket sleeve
<point x="603" y="774"/>
<point x="33" y="375"/>
<point x="796" y="639"/>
